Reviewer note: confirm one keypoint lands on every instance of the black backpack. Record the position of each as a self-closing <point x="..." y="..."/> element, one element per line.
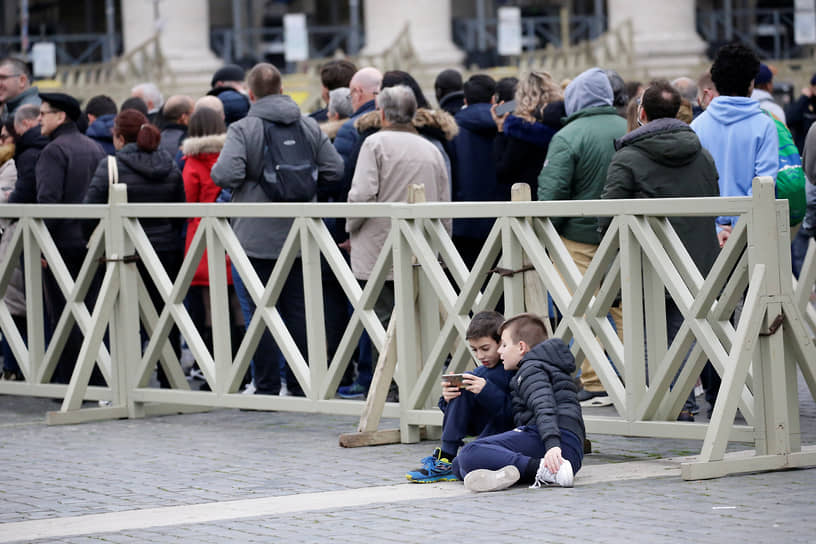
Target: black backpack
<point x="290" y="168"/>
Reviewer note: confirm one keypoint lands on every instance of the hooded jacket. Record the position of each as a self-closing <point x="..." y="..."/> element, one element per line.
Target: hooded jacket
<point x="101" y="131"/>
<point x="64" y="170"/>
<point x="579" y="153"/>
<point x="236" y="105"/>
<point x="742" y="140"/>
<point x="27" y="152"/>
<point x="453" y="102"/>
<point x="544" y="394"/>
<point x="240" y="167"/>
<point x="200" y="153"/>
<point x="521" y="149"/>
<point x="664" y="159"/>
<point x="149" y="177"/>
<point x="474" y="168"/>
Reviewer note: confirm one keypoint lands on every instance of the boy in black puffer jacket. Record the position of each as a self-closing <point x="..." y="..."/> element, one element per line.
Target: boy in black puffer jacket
<point x="546" y="447"/>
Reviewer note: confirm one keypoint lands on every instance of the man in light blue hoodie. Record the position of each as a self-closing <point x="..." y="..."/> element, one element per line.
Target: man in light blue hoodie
<point x="740" y="137"/>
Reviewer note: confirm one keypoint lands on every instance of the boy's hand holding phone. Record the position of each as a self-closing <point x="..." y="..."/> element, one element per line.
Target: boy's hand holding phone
<point x="452" y="384"/>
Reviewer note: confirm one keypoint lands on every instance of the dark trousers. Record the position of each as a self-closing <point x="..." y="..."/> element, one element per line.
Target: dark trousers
<point x="171" y="261"/>
<point x="55" y="304"/>
<point x="292" y="308"/>
<point x="674" y="320"/>
<point x="517" y="447"/>
<point x="464" y="416"/>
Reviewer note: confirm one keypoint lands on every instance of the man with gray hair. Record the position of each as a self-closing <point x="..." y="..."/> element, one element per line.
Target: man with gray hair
<point x="15" y="87"/>
<point x="389" y="162"/>
<point x="151" y="95"/>
<point x="274" y="127"/>
<point x="687" y="88"/>
<point x="340" y="103"/>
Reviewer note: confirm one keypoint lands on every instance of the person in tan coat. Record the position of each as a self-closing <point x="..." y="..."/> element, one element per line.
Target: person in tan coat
<point x="391" y="160"/>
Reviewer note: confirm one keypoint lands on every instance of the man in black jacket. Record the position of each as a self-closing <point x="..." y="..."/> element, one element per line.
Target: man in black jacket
<point x="547" y="445"/>
<point x="63" y="172"/>
<point x="664" y="159"/>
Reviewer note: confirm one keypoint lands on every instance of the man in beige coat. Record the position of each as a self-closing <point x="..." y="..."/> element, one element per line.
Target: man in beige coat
<point x="391" y="160"/>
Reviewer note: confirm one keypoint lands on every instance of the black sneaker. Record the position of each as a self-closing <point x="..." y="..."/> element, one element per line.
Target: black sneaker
<point x="593" y="398"/>
<point x="685" y="415"/>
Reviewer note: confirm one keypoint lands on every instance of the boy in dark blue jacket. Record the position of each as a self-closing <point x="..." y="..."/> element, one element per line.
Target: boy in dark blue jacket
<point x="481" y="407"/>
<point x="546" y="447"/>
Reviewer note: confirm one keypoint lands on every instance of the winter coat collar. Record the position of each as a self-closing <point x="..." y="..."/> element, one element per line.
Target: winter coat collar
<point x="589" y="112"/>
<point x="653" y="127"/>
<point x="454" y="97"/>
<point x="437" y="124"/>
<point x="32" y="138"/>
<point x="67" y="128"/>
<point x="277" y="108"/>
<point x="102" y="128"/>
<point x="553" y="352"/>
<point x="155" y="165"/>
<point x="197" y="145"/>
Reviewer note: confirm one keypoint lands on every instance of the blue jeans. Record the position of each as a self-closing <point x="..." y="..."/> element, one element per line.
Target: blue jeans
<point x="292" y="309"/>
<point x="246" y="307"/>
<point x="517" y="447"/>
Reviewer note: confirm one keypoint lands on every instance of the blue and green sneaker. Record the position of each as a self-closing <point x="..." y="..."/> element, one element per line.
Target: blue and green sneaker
<point x="435" y="468"/>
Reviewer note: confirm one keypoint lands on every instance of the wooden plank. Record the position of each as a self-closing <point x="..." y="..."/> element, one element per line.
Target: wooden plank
<point x="375" y="438"/>
<point x="381" y="381"/>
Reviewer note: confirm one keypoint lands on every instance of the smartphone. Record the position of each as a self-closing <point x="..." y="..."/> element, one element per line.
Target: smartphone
<point x="454" y="379"/>
<point x="505" y="108"/>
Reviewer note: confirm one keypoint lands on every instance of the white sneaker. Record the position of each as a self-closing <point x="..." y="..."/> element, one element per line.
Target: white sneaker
<point x="249" y="389"/>
<point x="483" y="479"/>
<point x="563" y="478"/>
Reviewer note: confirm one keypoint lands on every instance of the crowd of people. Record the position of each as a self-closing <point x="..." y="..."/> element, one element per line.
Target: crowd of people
<point x="594" y="136"/>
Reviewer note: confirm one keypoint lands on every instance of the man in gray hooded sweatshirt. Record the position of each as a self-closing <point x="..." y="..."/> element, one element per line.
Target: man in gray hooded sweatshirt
<point x="240" y="167"/>
<point x="575" y="169"/>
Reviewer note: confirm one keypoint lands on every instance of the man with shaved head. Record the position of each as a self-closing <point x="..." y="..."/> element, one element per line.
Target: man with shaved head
<point x="363" y="88"/>
<point x="211" y="102"/>
<point x="176" y="112"/>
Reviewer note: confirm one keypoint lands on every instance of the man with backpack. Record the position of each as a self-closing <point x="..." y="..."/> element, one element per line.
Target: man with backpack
<point x="738" y="134"/>
<point x="275" y="154"/>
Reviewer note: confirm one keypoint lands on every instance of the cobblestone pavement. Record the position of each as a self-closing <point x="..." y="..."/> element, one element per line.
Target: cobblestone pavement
<point x="175" y="479"/>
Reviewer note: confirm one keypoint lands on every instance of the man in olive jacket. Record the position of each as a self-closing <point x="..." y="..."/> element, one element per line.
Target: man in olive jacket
<point x="664" y="159"/>
<point x="575" y="169"/>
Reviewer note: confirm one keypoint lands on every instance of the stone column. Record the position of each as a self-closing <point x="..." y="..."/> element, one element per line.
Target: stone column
<point x="430" y="22"/>
<point x="665" y="38"/>
<point x="185" y="32"/>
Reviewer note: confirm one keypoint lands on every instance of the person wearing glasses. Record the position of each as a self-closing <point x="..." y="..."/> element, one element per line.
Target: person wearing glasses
<point x="15" y="87"/>
<point x="63" y="173"/>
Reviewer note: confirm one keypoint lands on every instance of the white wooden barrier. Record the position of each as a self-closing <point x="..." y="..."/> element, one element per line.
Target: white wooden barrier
<point x="640" y="253"/>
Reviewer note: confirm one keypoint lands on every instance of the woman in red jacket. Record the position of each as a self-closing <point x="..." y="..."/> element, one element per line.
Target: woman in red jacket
<point x="205" y="139"/>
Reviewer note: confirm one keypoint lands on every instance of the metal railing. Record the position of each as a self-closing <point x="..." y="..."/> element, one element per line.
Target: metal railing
<point x="769" y="31"/>
<point x="257" y="43"/>
<point x="537" y="32"/>
<point x="70" y="48"/>
<point x="640" y="258"/>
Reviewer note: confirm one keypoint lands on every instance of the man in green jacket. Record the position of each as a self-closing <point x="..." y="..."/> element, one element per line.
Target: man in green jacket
<point x="575" y="169"/>
<point x="664" y="159"/>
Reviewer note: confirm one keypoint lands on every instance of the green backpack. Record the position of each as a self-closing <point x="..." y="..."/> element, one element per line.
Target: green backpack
<point x="790" y="181"/>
